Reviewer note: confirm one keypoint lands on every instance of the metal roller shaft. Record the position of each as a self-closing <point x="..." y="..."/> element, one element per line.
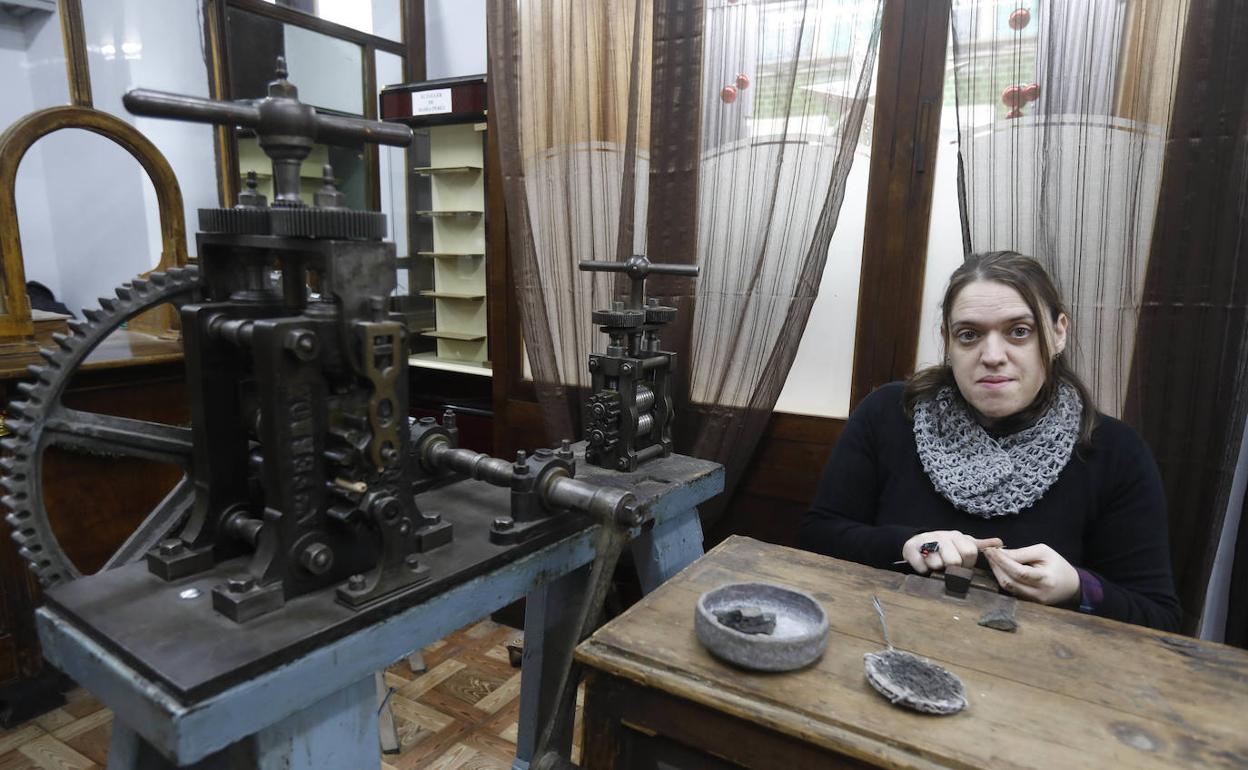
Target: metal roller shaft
<point x="559" y="490"/>
<point x="472" y="464"/>
<point x="645" y="424"/>
<point x="603" y="503"/>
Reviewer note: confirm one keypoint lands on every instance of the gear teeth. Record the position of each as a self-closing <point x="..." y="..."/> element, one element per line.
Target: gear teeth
<point x="13" y="501"/>
<point x="41" y="373"/>
<point x="48" y="577"/>
<point x="159" y="279"/>
<point x="35" y="558"/>
<point x="21" y="481"/>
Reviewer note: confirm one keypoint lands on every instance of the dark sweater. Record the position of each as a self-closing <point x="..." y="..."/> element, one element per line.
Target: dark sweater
<point x="1106" y="513"/>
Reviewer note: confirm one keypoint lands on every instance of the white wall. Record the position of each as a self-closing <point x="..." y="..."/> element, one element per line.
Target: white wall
<point x="454" y="38"/>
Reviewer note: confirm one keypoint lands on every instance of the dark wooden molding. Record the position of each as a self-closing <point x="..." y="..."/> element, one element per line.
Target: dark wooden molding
<point x="74" y="38"/>
<point x="224" y="143"/>
<point x="307" y="21"/>
<point x="414" y="66"/>
<point x="372" y="153"/>
<point x="500" y="327"/>
<point x="909" y="91"/>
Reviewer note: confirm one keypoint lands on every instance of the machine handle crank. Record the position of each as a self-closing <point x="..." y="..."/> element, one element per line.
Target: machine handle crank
<point x="631" y="267"/>
<point x="330" y="129"/>
<point x="161" y="104"/>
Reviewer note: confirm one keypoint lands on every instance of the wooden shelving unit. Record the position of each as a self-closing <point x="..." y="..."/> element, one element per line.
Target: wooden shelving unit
<point x="449" y="232"/>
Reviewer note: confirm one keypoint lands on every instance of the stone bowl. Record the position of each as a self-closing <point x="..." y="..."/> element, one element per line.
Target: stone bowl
<point x="799" y="638"/>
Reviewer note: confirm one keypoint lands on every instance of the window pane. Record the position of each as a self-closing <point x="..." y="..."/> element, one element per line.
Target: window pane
<point x="33" y="61"/>
<point x="819" y="382"/>
<point x="383" y="18"/>
<point x="136" y="44"/>
<point x="328" y="71"/>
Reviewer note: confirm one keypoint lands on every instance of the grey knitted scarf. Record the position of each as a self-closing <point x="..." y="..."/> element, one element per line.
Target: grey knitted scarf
<point x="990" y="476"/>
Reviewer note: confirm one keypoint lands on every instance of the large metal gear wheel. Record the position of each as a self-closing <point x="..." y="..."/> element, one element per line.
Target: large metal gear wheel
<point x="42" y="421"/>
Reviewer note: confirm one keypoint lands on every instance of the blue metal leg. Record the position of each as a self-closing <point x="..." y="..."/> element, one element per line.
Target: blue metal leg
<point x="668" y="548"/>
<point x="550" y="630"/>
<point x="550" y="633"/>
<point x="337" y="732"/>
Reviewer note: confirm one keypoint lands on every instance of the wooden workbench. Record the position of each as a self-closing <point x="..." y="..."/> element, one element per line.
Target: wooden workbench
<point x="1066" y="690"/>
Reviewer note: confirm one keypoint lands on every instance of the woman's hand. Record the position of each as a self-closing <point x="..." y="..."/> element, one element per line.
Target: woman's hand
<point x="1036" y="573"/>
<point x="954" y="550"/>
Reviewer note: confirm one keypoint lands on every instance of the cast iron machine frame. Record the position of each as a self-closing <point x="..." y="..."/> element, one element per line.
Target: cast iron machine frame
<point x="628" y="416"/>
<point x="318" y="534"/>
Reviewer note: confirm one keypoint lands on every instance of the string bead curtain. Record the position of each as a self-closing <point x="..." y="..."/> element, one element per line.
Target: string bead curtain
<point x="1063" y="107"/>
<point x="783" y="86"/>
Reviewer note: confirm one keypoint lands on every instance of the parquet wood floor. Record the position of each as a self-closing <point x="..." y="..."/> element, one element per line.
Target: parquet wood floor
<point x="459" y="714"/>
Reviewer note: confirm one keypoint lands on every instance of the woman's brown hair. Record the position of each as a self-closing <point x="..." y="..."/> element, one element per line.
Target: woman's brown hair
<point x="1026" y="276"/>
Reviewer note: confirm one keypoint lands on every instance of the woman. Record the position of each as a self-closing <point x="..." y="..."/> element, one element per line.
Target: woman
<point x="1001" y="451"/>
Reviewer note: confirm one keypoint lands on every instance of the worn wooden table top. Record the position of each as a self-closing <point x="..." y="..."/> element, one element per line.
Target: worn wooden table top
<point x="1065" y="690"/>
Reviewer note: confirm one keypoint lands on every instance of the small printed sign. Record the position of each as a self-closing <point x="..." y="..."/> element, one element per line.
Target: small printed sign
<point x="431" y="102"/>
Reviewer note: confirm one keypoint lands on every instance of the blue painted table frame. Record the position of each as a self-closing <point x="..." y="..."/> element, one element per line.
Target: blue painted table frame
<point x="320" y="712"/>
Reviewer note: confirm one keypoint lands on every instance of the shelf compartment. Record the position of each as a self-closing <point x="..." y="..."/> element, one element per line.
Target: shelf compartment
<point x="448" y="335"/>
<point x="438" y="170"/>
<point x="451" y="295"/>
<point x="431" y="360"/>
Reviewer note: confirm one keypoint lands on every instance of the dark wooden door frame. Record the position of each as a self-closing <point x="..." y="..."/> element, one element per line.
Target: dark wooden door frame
<point x="909" y="91"/>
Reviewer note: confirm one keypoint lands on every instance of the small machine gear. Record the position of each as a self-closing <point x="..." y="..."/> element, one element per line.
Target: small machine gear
<point x="345" y="224"/>
<point x="42" y="420"/>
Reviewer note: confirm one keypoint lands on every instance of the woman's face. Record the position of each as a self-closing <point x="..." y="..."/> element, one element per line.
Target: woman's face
<point x="994" y="348"/>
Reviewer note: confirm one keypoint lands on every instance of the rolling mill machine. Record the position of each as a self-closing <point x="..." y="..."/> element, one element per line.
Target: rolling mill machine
<point x="318" y="533"/>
